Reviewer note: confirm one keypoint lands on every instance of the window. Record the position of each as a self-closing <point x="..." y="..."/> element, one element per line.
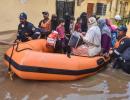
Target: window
<point x="101" y="9"/>
<point x="63" y="6"/>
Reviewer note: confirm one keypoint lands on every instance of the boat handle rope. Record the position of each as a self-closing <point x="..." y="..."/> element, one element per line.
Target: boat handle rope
<point x="21" y="49"/>
<point x="10" y="72"/>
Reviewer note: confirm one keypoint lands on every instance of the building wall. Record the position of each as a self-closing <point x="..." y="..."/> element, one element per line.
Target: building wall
<point x="117" y="9"/>
<point x="83" y="6"/>
<point x="12" y="8"/>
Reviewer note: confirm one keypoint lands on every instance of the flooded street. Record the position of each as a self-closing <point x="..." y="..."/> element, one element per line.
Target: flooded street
<point x="108" y="84"/>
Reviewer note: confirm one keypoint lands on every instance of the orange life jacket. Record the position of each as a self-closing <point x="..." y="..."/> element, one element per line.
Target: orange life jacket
<point x="117" y="44"/>
<point x="46" y="25"/>
<point x="51" y="39"/>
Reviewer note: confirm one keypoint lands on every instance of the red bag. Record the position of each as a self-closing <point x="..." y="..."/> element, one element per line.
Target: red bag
<point x="51" y="39"/>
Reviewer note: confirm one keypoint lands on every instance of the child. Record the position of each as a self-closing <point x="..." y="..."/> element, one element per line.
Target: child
<point x="78" y="25"/>
<point x="60" y="45"/>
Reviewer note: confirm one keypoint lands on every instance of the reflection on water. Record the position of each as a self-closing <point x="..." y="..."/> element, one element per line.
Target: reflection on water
<point x="100" y="87"/>
<point x="8" y="96"/>
<point x="93" y="97"/>
<point x="26" y="97"/>
<point x="44" y="97"/>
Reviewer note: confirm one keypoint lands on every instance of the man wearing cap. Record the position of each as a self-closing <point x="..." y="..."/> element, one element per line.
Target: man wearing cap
<point x="45" y="24"/>
<point x="122" y="51"/>
<point x="26" y="30"/>
<point x="122" y="30"/>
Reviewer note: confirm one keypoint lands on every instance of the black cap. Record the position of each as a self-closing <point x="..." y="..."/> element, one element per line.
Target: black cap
<point x="23" y="16"/>
<point x="45" y="13"/>
<point x="122" y="28"/>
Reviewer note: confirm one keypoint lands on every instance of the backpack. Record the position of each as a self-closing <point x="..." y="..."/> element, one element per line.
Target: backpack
<point x="75" y="40"/>
<point x="51" y="39"/>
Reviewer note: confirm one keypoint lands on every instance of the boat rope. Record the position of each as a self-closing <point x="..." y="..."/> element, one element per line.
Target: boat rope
<point x="17" y="46"/>
<point x="11" y="73"/>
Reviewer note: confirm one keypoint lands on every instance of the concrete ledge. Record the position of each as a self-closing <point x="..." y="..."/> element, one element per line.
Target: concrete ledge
<point x="8" y="32"/>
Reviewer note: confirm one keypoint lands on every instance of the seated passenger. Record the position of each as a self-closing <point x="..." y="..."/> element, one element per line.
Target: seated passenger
<point x="78" y="25"/>
<point x="105" y="37"/>
<point x="92" y="40"/>
<point x="26" y="30"/>
<point x="60" y="44"/>
<point x="54" y="22"/>
<point x="114" y="33"/>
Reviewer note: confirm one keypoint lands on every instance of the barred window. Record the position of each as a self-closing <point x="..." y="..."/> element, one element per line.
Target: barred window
<point x="63" y="6"/>
<point x="101" y="9"/>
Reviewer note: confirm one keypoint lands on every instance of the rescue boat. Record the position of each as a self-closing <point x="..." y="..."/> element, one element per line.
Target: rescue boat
<point x="33" y="60"/>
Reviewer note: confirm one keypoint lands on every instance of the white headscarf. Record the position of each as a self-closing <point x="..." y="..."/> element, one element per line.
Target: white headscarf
<point x="92" y="22"/>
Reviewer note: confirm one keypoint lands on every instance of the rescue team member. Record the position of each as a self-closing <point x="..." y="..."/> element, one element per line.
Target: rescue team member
<point x="122" y="52"/>
<point x="122" y="30"/>
<point x="45" y="24"/>
<point x="26" y="30"/>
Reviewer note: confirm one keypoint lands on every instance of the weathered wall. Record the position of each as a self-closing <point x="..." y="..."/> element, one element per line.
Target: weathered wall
<point x="10" y="10"/>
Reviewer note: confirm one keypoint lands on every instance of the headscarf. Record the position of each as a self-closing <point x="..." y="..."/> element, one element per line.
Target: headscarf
<point x="110" y="25"/>
<point x="103" y="26"/>
<point x="54" y="22"/>
<point x="92" y="22"/>
<point x="84" y="18"/>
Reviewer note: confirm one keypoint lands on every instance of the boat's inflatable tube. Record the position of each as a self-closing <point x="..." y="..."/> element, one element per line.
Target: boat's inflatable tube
<point x="33" y="60"/>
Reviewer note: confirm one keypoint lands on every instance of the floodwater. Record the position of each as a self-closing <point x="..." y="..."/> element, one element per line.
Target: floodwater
<point x="108" y="84"/>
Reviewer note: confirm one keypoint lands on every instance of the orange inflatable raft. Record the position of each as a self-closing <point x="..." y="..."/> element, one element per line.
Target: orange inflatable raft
<point x="33" y="60"/>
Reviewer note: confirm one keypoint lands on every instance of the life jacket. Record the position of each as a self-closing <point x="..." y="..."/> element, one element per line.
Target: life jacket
<point x="51" y="39"/>
<point x="46" y="25"/>
<point x="117" y="44"/>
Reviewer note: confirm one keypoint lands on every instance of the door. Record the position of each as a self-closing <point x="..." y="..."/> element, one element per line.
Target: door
<point x="90" y="8"/>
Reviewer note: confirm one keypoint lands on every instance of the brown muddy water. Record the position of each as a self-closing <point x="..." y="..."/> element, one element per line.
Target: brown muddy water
<point x="108" y="84"/>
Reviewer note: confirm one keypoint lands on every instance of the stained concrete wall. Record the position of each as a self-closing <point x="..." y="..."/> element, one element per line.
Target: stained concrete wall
<point x="10" y="10"/>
